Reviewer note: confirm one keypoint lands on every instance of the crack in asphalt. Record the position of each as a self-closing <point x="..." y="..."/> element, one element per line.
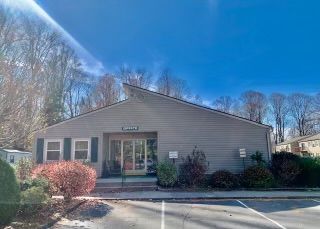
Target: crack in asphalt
<point x="186" y="216"/>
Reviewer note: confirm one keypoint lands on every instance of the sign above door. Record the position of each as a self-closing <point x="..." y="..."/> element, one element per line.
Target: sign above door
<point x="130" y="128"/>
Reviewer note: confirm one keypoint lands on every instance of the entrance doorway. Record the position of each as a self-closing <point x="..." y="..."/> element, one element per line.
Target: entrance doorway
<point x="128" y="155"/>
<point x="134" y="157"/>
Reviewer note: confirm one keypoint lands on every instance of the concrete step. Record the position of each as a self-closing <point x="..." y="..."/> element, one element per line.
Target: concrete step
<point x="126" y="184"/>
<point x="129" y="184"/>
<point x="125" y="189"/>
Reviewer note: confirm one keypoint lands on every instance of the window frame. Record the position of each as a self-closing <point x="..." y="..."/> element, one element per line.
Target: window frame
<point x="45" y="155"/>
<point x="73" y="149"/>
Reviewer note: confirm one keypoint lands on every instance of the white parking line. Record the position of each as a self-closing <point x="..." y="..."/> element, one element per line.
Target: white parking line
<point x="317" y="201"/>
<point x="162" y="215"/>
<point x="276" y="223"/>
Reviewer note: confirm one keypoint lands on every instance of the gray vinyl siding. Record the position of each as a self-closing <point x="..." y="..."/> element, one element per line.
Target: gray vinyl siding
<point x="179" y="127"/>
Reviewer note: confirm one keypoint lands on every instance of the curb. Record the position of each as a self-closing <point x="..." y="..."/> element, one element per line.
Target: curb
<point x="246" y="189"/>
<point x="54" y="221"/>
<point x="210" y="198"/>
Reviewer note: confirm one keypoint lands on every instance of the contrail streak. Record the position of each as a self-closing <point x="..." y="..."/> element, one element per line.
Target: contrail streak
<point x="90" y="64"/>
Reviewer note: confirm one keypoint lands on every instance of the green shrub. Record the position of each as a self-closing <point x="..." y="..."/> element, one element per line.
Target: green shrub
<point x="310" y="172"/>
<point x="258" y="177"/>
<point x="288" y="172"/>
<point x="9" y="193"/>
<point x="167" y="174"/>
<point x="285" y="167"/>
<point x="193" y="168"/>
<point x="32" y="199"/>
<point x="224" y="179"/>
<point x="36" y="182"/>
<point x="257" y="157"/>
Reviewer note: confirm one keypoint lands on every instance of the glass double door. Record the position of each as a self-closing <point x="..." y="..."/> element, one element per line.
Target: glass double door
<point x="133" y="155"/>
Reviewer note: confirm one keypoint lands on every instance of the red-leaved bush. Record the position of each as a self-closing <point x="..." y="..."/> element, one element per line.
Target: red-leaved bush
<point x="67" y="178"/>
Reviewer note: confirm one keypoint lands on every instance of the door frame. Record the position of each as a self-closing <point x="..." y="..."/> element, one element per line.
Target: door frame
<point x="133" y="171"/>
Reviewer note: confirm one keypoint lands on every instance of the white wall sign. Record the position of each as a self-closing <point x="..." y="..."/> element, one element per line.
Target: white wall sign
<point x="173" y="154"/>
<point x="242" y="152"/>
<point x="130" y="128"/>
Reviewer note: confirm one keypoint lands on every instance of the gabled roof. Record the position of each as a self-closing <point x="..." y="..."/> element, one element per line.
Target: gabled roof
<point x="311" y="138"/>
<point x="128" y="86"/>
<point x="84" y="114"/>
<point x="196" y="105"/>
<point x="295" y="139"/>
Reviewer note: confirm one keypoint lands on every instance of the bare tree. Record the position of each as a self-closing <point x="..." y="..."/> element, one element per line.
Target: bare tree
<point x="197" y="99"/>
<point x="107" y="91"/>
<point x="77" y="87"/>
<point x="300" y="107"/>
<point x="279" y="110"/>
<point x="254" y="105"/>
<point x="36" y="71"/>
<point x="316" y="103"/>
<point x="224" y="104"/>
<point x="87" y="103"/>
<point x="137" y="77"/>
<point x="167" y="84"/>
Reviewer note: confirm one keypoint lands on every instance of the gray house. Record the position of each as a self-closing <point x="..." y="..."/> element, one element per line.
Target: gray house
<point x="147" y="127"/>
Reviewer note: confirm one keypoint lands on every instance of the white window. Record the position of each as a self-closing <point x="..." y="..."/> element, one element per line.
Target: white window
<point x="53" y="150"/>
<point x="81" y="149"/>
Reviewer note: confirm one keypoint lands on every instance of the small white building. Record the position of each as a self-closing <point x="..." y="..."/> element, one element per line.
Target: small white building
<point x="13" y="156"/>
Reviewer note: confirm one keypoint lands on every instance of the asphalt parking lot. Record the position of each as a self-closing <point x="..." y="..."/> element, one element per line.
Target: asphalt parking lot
<point x="284" y="213"/>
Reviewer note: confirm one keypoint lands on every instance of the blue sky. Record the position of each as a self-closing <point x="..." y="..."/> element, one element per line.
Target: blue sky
<point x="218" y="47"/>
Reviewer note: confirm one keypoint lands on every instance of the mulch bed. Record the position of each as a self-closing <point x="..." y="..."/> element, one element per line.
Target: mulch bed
<point x="47" y="214"/>
<point x="89" y="210"/>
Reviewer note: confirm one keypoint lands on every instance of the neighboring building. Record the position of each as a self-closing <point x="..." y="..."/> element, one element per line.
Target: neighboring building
<point x="134" y="134"/>
<point x="310" y="146"/>
<point x="13" y="156"/>
<point x="291" y="145"/>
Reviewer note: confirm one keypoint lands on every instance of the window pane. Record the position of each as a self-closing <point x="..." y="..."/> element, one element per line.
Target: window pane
<point x="53" y="146"/>
<point x="152" y="157"/>
<point x="139" y="154"/>
<point x="81" y="154"/>
<point x="11" y="158"/>
<point x="115" y="157"/>
<point x="128" y="155"/>
<point x="53" y="155"/>
<point x="81" y="145"/>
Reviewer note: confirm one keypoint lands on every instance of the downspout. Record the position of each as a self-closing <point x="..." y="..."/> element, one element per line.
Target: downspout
<point x="269" y="144"/>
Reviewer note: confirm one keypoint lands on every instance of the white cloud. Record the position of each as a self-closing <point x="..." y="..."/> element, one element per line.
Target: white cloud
<point x="90" y="63"/>
<point x="207" y="103"/>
